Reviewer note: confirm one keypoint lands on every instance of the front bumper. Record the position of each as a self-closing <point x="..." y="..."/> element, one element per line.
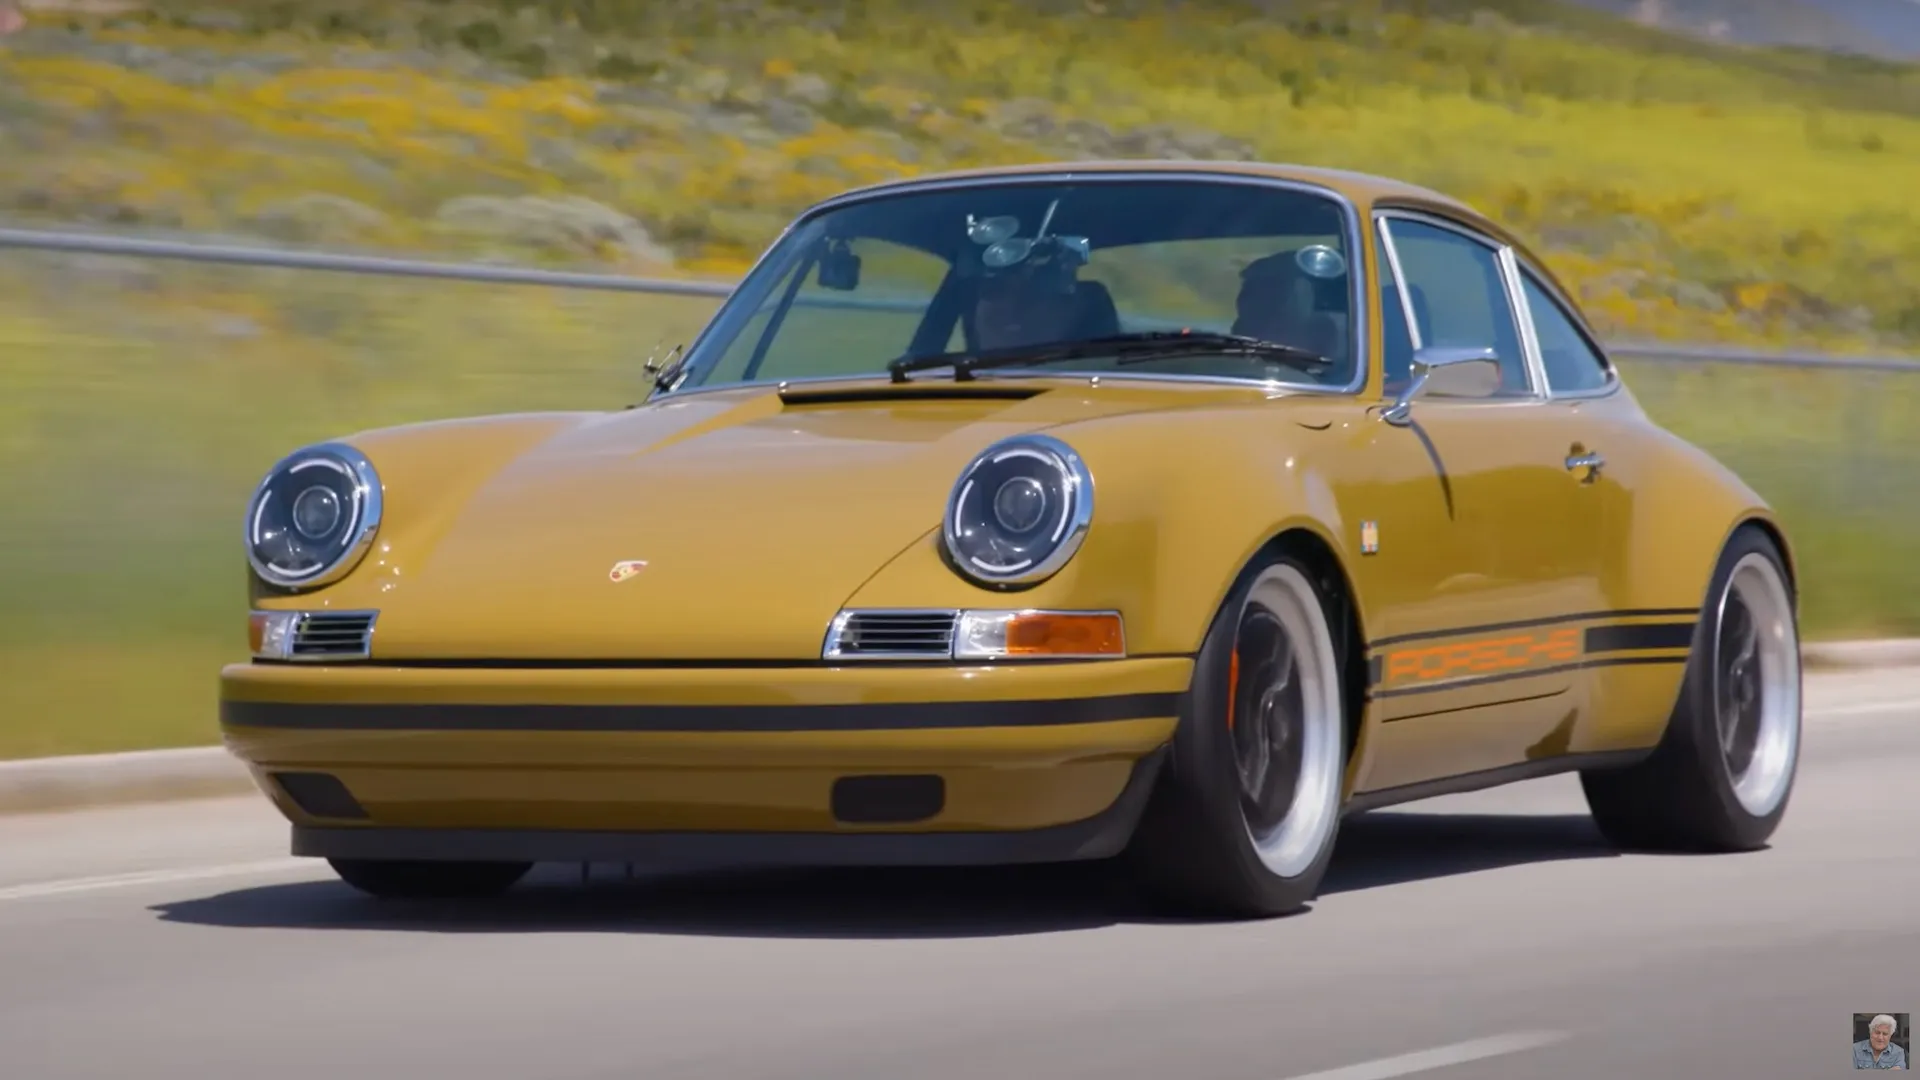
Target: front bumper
<point x="819" y="765"/>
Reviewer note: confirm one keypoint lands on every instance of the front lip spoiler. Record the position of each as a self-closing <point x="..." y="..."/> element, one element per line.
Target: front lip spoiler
<point x="886" y="716"/>
<point x="1104" y="835"/>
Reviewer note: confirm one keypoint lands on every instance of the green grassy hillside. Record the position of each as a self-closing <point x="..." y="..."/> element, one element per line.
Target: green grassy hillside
<point x="1691" y="191"/>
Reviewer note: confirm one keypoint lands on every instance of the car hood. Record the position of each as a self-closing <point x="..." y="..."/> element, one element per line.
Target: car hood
<point x="745" y="518"/>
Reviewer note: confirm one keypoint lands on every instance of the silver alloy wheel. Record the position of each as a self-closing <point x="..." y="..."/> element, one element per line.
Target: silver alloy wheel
<point x="1756" y="684"/>
<point x="1288" y="715"/>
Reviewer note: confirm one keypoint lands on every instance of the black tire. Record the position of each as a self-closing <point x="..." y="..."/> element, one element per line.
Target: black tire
<point x="1684" y="796"/>
<point x="400" y="879"/>
<point x="1194" y="850"/>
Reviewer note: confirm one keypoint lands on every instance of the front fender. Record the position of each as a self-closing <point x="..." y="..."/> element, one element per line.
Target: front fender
<point x="1182" y="502"/>
<point x="427" y="473"/>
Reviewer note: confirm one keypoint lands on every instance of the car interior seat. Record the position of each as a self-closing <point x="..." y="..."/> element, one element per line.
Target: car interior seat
<point x="1098" y="316"/>
<point x="1292" y="308"/>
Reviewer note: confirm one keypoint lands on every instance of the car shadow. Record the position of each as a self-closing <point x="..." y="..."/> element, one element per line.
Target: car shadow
<point x="1377" y="850"/>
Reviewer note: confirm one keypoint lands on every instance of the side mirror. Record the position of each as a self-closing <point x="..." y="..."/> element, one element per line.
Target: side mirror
<point x="1449" y="371"/>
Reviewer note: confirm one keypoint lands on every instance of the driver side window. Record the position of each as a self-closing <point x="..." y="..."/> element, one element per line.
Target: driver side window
<point x="1460" y="297"/>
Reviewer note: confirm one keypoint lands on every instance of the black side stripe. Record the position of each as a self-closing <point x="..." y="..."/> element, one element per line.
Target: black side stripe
<point x="1523" y="624"/>
<point x="1667" y="635"/>
<point x="633" y="718"/>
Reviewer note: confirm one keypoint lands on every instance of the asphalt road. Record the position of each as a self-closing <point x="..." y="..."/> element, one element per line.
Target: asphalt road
<point x="1489" y="935"/>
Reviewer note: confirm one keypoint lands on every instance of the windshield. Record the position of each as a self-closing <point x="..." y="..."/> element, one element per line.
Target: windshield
<point x="1011" y="263"/>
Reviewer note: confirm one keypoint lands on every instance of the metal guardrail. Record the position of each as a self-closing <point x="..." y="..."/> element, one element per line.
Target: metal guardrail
<point x="99" y="244"/>
<point x="91" y="244"/>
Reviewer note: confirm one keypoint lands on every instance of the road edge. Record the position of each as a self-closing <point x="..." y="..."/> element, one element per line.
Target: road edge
<point x="1859" y="655"/>
<point x="37" y="785"/>
<point x="40" y="785"/>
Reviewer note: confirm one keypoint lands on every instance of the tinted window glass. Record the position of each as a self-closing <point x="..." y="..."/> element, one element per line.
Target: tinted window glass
<point x="1010" y="264"/>
<point x="817" y="336"/>
<point x="1572" y="365"/>
<point x="1459" y="298"/>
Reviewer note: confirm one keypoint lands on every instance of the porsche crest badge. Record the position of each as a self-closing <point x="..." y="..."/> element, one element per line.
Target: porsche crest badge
<point x="625" y="569"/>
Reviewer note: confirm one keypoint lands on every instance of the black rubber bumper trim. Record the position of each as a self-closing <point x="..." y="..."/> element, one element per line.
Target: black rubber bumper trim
<point x="1104" y="835"/>
<point x="868" y="717"/>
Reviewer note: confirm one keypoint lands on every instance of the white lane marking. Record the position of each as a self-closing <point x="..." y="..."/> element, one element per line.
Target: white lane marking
<point x="1439" y="1057"/>
<point x="151" y="877"/>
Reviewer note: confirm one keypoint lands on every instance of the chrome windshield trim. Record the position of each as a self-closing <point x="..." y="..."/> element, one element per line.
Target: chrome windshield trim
<point x="1355" y="235"/>
<point x="1270" y="387"/>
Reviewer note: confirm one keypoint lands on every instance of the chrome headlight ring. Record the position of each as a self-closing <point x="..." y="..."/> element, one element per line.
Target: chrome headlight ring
<point x="1019" y="512"/>
<point x="313" y="517"/>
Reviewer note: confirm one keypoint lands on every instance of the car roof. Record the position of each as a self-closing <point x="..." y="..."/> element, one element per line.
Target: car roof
<point x="1367" y="191"/>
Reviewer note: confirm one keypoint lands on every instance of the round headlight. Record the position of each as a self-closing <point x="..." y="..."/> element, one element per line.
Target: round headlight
<point x="313" y="517"/>
<point x="1019" y="511"/>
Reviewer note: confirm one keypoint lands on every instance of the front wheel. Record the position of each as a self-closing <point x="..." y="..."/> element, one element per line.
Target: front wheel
<point x="1721" y="776"/>
<point x="1245" y="817"/>
<point x="399" y="879"/>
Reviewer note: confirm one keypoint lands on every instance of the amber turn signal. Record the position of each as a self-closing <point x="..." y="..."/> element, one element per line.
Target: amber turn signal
<point x="270" y="633"/>
<point x="992" y="635"/>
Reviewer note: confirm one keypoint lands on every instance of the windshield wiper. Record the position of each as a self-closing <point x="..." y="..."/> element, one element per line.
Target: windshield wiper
<point x="1131" y="348"/>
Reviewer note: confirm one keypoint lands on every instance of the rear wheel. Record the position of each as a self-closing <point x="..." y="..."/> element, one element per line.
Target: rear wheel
<point x="1722" y="774"/>
<point x="1245" y="817"/>
<point x="420" y="879"/>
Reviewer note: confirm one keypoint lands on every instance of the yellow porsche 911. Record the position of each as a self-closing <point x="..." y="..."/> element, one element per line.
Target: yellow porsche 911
<point x="1167" y="511"/>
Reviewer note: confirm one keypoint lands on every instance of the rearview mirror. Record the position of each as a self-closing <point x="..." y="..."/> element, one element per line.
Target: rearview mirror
<point x="839" y="268"/>
<point x="1448" y="371"/>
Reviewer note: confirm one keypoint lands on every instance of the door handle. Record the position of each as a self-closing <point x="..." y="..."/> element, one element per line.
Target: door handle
<point x="1590" y="461"/>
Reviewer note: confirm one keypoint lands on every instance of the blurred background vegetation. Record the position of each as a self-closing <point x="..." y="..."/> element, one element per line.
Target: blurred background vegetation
<point x="1686" y="189"/>
<point x="1692" y="190"/>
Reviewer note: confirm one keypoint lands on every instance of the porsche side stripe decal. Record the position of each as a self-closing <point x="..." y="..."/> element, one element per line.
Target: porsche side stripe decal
<point x="684" y="718"/>
<point x="1480" y="656"/>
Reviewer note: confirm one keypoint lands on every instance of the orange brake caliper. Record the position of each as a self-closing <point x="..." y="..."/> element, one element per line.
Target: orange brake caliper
<point x="1233" y="682"/>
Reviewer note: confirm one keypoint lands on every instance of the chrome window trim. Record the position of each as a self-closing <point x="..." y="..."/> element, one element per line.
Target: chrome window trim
<point x="1399" y="286"/>
<point x="1523" y="319"/>
<point x="1359" y="333"/>
<point x="1502" y="255"/>
<point x="1614" y="384"/>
